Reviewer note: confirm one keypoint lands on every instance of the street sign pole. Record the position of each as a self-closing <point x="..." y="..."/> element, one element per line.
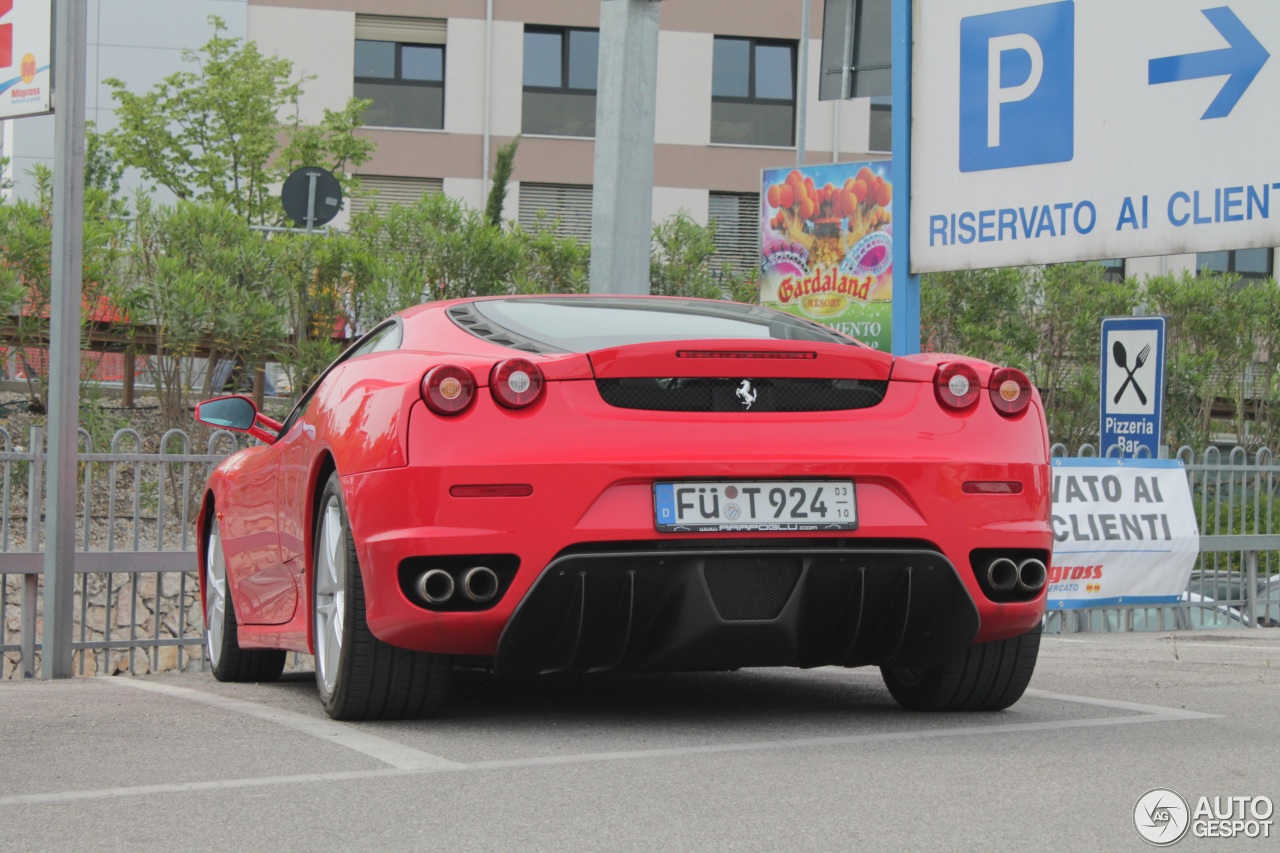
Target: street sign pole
<point x="906" y="287"/>
<point x="64" y="337"/>
<point x="626" y="108"/>
<point x="802" y="86"/>
<point x="311" y="201"/>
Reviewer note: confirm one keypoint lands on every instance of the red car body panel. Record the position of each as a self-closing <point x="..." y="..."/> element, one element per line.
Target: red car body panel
<point x="592" y="467"/>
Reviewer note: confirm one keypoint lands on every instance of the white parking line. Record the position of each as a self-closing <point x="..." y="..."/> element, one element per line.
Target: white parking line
<point x="387" y="751"/>
<point x="1212" y="645"/>
<point x="411" y="762"/>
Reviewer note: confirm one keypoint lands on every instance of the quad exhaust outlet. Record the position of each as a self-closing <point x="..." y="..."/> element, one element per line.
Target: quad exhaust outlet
<point x="1003" y="574"/>
<point x="477" y="585"/>
<point x="480" y="584"/>
<point x="436" y="586"/>
<point x="1032" y="575"/>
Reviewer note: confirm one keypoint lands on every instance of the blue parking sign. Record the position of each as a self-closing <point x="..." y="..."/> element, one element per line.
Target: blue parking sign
<point x="1017" y="87"/>
<point x="1132" y="387"/>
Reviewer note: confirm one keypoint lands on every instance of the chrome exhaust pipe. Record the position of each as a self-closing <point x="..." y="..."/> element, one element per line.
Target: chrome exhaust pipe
<point x="1002" y="574"/>
<point x="1032" y="575"/>
<point x="436" y="586"/>
<point x="480" y="584"/>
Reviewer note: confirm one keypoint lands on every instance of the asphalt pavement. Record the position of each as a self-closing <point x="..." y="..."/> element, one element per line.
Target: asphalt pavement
<point x="750" y="760"/>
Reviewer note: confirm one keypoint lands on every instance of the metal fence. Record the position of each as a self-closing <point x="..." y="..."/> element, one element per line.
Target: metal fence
<point x="137" y="604"/>
<point x="1235" y="581"/>
<point x="137" y="592"/>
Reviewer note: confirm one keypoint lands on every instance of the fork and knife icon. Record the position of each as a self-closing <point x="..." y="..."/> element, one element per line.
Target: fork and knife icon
<point x="1122" y="360"/>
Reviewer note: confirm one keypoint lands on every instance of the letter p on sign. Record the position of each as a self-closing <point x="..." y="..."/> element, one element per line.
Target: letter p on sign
<point x="1017" y="87"/>
<point x="999" y="94"/>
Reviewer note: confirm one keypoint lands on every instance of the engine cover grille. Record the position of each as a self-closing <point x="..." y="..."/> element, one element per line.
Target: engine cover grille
<point x="729" y="395"/>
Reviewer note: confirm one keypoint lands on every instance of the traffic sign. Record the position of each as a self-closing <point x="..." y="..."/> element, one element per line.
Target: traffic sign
<point x="311" y="196"/>
<point x="1132" y="386"/>
<point x="1087" y="129"/>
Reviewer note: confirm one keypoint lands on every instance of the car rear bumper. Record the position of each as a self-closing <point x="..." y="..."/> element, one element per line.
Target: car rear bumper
<point x="724" y="608"/>
<point x="590" y="491"/>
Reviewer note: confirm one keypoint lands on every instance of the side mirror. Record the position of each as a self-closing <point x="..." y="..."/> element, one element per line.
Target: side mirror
<point x="236" y="413"/>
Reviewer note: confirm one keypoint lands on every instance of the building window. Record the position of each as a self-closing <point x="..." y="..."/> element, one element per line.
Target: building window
<point x="857" y="49"/>
<point x="1245" y="263"/>
<point x="737" y="219"/>
<point x="753" y="92"/>
<point x="399" y="65"/>
<point x="563" y="208"/>
<point x="880" y="137"/>
<point x="383" y="192"/>
<point x="1113" y="269"/>
<point x="560" y="69"/>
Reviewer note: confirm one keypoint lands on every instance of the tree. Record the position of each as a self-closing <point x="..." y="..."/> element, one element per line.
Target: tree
<point x="207" y="286"/>
<point x="215" y="133"/>
<point x="681" y="263"/>
<point x="503" y="165"/>
<point x="26" y="275"/>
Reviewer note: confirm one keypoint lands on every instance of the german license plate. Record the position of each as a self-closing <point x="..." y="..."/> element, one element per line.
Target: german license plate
<point x="729" y="505"/>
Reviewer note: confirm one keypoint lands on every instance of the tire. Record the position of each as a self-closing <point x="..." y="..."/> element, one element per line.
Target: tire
<point x="990" y="677"/>
<point x="359" y="676"/>
<point x="221" y="635"/>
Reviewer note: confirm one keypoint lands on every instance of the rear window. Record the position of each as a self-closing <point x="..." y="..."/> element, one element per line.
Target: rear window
<point x="591" y="323"/>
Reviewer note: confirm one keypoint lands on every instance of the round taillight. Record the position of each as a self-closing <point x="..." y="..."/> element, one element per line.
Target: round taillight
<point x="1010" y="390"/>
<point x="956" y="385"/>
<point x="516" y="382"/>
<point x="447" y="389"/>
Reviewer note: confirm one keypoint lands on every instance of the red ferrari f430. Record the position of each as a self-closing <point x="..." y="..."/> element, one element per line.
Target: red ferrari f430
<point x="591" y="483"/>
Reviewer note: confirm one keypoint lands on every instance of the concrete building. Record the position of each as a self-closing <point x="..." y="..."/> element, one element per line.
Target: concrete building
<point x="452" y="80"/>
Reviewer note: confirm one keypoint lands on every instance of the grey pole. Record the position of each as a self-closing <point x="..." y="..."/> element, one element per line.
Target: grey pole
<point x="311" y="202"/>
<point x="70" y="22"/>
<point x="802" y="86"/>
<point x="626" y="99"/>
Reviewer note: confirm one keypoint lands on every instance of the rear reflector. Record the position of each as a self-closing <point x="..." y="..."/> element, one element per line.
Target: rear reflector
<point x="782" y="356"/>
<point x="992" y="487"/>
<point x="515" y="490"/>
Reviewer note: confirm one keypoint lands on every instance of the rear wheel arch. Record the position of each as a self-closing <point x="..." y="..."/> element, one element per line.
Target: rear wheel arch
<point x="359" y="677"/>
<point x="324" y="468"/>
<point x="205" y="518"/>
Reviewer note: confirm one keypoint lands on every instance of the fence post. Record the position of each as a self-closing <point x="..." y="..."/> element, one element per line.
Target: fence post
<point x="259" y="385"/>
<point x="1251" y="588"/>
<point x="31" y="582"/>
<point x="126" y="381"/>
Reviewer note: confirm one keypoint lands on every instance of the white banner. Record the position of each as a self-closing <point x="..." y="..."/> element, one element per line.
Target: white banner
<point x="26" y="45"/>
<point x="1124" y="533"/>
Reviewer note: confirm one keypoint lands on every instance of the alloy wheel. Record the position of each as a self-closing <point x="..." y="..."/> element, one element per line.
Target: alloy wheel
<point x="215" y="596"/>
<point x="331" y="582"/>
